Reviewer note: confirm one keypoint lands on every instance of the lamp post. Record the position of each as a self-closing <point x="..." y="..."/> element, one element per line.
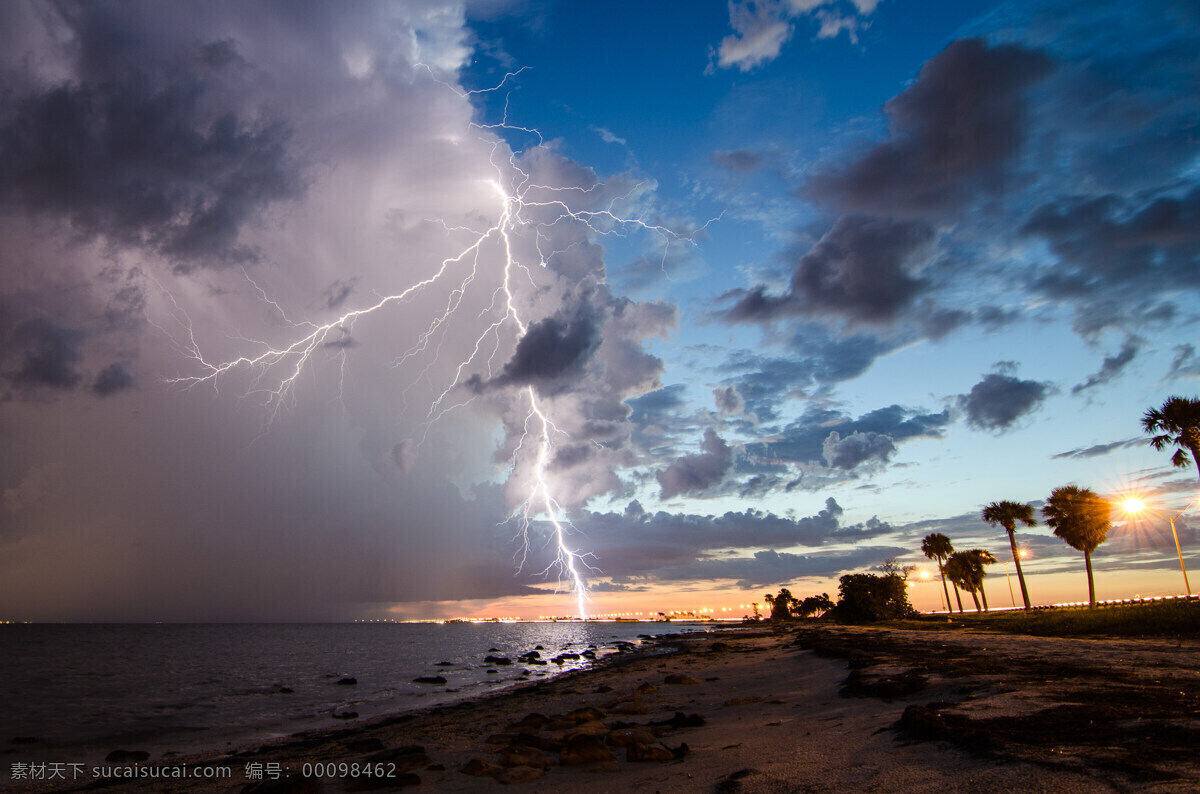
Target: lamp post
<point x="1133" y="506"/>
<point x="1022" y="553"/>
<point x="1011" y="597"/>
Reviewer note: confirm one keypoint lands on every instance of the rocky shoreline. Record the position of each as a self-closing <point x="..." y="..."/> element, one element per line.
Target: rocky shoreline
<point x="1124" y="709"/>
<point x="808" y="708"/>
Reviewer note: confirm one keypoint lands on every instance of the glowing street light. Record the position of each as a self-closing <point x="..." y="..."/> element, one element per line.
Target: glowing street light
<point x="1133" y="505"/>
<point x="925" y="577"/>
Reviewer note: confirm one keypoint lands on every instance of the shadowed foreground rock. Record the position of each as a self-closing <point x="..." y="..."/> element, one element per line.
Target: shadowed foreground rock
<point x="1128" y="707"/>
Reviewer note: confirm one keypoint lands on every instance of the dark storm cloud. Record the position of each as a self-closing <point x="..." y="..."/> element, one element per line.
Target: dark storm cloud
<point x="993" y="318"/>
<point x="566" y="457"/>
<point x="1133" y="312"/>
<point x="40" y="354"/>
<point x="769" y="567"/>
<point x="666" y="545"/>
<point x="112" y="379"/>
<point x="343" y="342"/>
<point x="1115" y="254"/>
<point x="553" y="352"/>
<point x="693" y="473"/>
<point x="739" y="160"/>
<point x="1111" y="367"/>
<point x="857" y="448"/>
<point x="337" y="292"/>
<point x="1098" y="449"/>
<point x="999" y="400"/>
<point x="133" y="152"/>
<point x="937" y="322"/>
<point x="810" y="437"/>
<point x="614" y="587"/>
<point x="837" y="359"/>
<point x="860" y="271"/>
<point x="951" y="134"/>
<point x="728" y="400"/>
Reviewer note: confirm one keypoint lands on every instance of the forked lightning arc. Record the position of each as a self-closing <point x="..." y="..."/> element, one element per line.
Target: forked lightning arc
<point x="279" y="366"/>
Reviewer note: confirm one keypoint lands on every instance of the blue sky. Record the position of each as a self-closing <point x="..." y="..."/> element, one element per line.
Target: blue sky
<point x="308" y="311"/>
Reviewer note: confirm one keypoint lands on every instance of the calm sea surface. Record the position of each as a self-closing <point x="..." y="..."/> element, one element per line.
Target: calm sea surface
<point x="81" y="691"/>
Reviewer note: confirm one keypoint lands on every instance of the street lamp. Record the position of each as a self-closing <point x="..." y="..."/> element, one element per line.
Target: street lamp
<point x="1133" y="506"/>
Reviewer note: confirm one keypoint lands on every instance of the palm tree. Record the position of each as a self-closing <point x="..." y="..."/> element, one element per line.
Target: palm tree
<point x="937" y="546"/>
<point x="965" y="569"/>
<point x="1177" y="424"/>
<point x="978" y="559"/>
<point x="958" y="571"/>
<point x="1007" y="514"/>
<point x="1081" y="518"/>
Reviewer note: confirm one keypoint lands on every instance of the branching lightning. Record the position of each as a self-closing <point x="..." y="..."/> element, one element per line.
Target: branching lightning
<point x="277" y="367"/>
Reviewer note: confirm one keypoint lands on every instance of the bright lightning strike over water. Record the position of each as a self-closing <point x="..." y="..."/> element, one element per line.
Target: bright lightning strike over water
<point x="524" y="208"/>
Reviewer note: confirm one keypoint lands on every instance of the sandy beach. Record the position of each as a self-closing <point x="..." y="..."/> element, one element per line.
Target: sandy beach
<point x="766" y="710"/>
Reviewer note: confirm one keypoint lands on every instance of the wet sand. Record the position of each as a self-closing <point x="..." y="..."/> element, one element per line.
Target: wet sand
<point x="797" y="709"/>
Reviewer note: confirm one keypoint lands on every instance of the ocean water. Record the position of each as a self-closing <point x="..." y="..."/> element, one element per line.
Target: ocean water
<point x="81" y="691"/>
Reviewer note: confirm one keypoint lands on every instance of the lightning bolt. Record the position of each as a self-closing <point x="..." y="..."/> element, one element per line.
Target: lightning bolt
<point x="277" y="367"/>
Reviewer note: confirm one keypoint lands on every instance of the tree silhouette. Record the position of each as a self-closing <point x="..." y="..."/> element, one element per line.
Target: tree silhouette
<point x="965" y="569"/>
<point x="1176" y="423"/>
<point x="1007" y="514"/>
<point x="868" y="597"/>
<point x="814" y="604"/>
<point x="781" y="604"/>
<point x="937" y="546"/>
<point x="1081" y="518"/>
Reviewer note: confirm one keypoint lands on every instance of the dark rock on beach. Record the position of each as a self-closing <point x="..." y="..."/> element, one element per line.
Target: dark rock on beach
<point x="521" y="755"/>
<point x="624" y="737"/>
<point x="478" y="767"/>
<point x="586" y="714"/>
<point x="860" y="683"/>
<point x="585" y="749"/>
<point x="648" y="752"/>
<point x="681" y="720"/>
<point x="531" y="721"/>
